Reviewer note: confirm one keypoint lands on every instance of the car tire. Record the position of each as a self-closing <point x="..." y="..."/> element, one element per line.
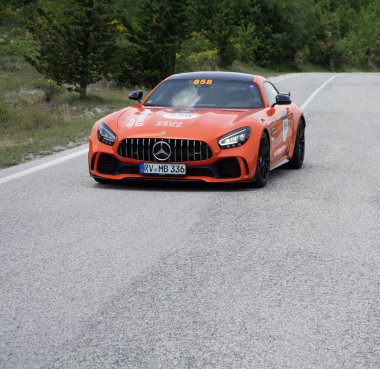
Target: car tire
<point x="263" y="163"/>
<point x="299" y="148"/>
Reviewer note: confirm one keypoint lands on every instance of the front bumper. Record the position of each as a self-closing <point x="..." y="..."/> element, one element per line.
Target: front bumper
<point x="232" y="165"/>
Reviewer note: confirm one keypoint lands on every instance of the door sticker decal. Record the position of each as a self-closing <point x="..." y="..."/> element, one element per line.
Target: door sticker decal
<point x="285" y="124"/>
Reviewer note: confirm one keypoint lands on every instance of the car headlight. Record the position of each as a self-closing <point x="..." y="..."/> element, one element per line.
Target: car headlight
<point x="235" y="138"/>
<point x="105" y="135"/>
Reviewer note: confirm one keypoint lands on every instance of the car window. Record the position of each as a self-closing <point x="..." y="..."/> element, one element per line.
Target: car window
<point x="207" y="93"/>
<point x="271" y="93"/>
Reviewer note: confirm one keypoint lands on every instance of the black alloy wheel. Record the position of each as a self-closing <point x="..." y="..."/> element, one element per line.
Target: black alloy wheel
<point x="263" y="163"/>
<point x="299" y="148"/>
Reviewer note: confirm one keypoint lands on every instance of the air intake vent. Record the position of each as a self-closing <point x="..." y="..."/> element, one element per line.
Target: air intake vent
<point x="107" y="164"/>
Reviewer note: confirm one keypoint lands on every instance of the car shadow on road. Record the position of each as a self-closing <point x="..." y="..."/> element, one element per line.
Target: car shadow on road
<point x="177" y="186"/>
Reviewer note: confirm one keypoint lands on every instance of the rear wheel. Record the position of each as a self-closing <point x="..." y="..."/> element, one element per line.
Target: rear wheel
<point x="299" y="148"/>
<point x="263" y="163"/>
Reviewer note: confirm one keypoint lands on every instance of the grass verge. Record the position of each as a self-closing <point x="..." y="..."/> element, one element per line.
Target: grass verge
<point x="38" y="118"/>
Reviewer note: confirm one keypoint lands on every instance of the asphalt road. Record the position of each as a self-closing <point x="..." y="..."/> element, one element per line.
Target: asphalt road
<point x="159" y="276"/>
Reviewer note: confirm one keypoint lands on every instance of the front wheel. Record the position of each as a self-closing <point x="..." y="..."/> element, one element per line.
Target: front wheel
<point x="263" y="163"/>
<point x="299" y="148"/>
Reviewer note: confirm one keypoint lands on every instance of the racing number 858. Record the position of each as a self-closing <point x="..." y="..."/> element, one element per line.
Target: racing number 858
<point x="202" y="82"/>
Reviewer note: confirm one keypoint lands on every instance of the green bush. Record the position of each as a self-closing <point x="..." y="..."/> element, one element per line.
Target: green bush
<point x="302" y="56"/>
<point x="15" y="41"/>
<point x="197" y="53"/>
<point x="4" y="113"/>
<point x="50" y="89"/>
<point x="247" y="43"/>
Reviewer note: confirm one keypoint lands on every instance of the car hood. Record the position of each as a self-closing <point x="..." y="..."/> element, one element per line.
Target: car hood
<point x="139" y="121"/>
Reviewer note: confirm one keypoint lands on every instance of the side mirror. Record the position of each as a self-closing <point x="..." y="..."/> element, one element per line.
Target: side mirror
<point x="283" y="99"/>
<point x="284" y="93"/>
<point x="136" y="95"/>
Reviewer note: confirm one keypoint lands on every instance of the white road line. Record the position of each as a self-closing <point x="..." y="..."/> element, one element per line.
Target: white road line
<point x="286" y="77"/>
<point x="311" y="97"/>
<point x="37" y="168"/>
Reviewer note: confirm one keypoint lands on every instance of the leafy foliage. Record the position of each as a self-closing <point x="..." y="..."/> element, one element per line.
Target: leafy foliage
<point x="74" y="42"/>
<point x="78" y="42"/>
<point x="197" y="53"/>
<point x="155" y="36"/>
<point x="15" y="42"/>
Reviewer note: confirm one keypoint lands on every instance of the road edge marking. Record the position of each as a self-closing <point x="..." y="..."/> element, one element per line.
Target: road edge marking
<point x="315" y="93"/>
<point x="37" y="168"/>
<point x="286" y="77"/>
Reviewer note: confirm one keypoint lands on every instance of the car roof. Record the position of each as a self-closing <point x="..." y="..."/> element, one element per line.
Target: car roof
<point x="214" y="75"/>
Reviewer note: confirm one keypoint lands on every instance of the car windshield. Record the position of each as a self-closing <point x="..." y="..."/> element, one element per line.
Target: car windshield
<point x="207" y="93"/>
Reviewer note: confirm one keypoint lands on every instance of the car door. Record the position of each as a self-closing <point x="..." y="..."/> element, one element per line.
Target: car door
<point x="288" y="125"/>
<point x="278" y="126"/>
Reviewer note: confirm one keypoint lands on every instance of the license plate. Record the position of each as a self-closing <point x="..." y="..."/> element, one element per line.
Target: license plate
<point x="163" y="169"/>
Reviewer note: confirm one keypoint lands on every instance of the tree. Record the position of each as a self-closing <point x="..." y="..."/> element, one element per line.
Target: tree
<point x="75" y="40"/>
<point x="225" y="23"/>
<point x="161" y="27"/>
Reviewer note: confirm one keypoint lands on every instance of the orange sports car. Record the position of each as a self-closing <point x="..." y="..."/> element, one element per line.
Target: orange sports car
<point x="201" y="126"/>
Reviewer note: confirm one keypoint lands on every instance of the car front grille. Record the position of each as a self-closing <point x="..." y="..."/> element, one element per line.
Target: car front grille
<point x="180" y="150"/>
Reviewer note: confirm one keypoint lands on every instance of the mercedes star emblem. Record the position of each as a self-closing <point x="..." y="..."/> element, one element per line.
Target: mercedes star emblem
<point x="161" y="150"/>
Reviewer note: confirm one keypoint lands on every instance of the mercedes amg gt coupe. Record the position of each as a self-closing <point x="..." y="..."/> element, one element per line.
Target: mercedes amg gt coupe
<point x="201" y="126"/>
